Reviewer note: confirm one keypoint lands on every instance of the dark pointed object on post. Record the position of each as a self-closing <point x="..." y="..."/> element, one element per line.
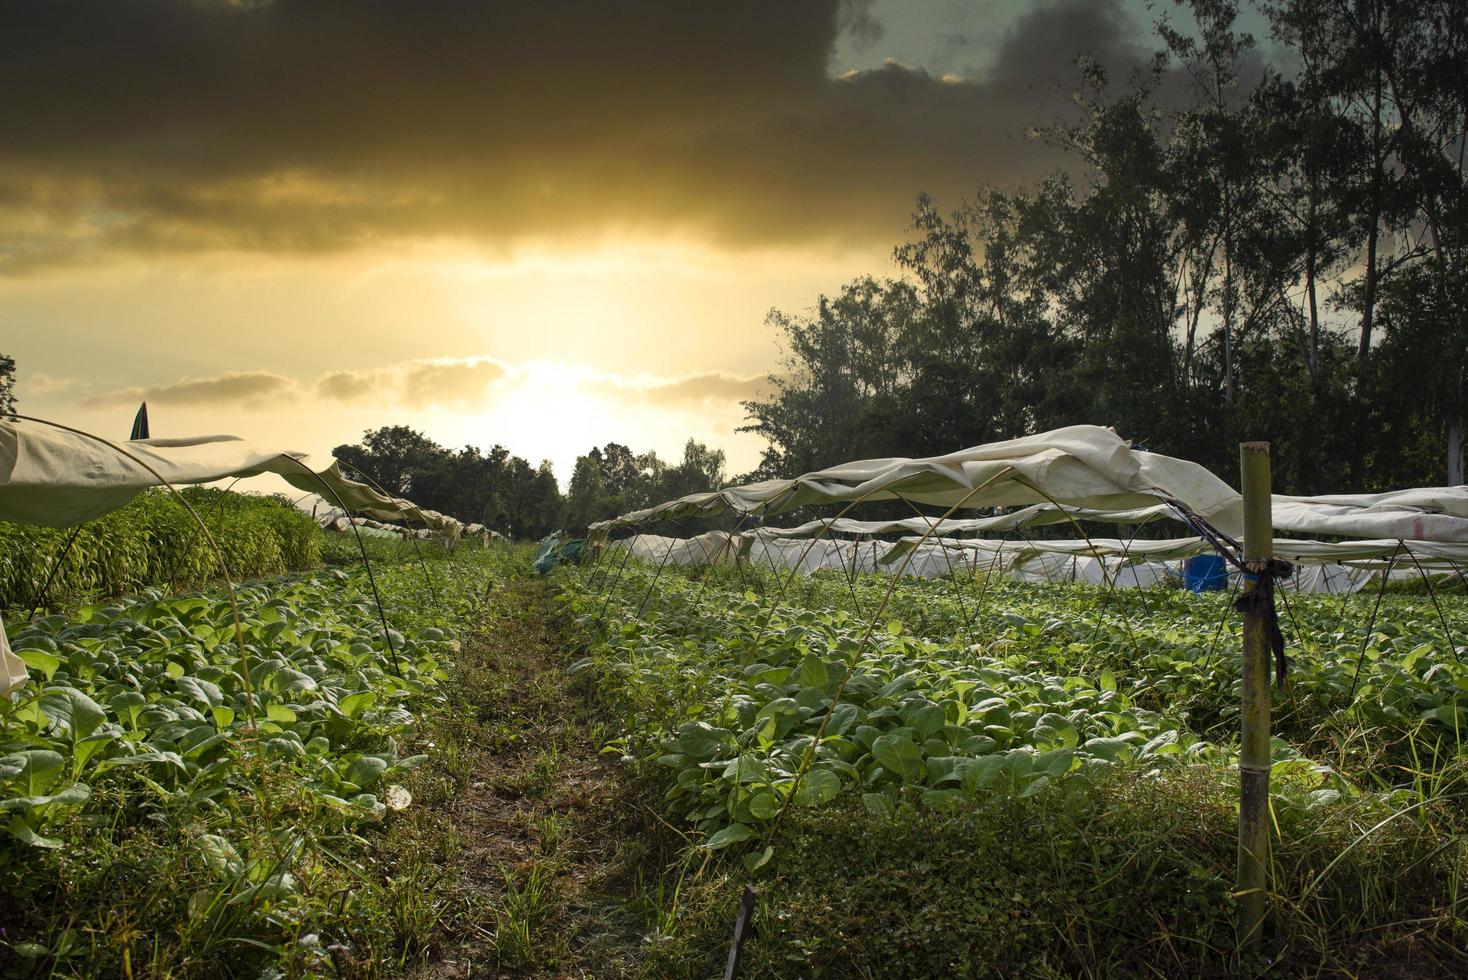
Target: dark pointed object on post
<point x="140" y="423"/>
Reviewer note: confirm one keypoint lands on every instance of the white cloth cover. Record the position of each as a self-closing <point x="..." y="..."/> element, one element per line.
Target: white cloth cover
<point x="704" y="549"/>
<point x="12" y="668"/>
<point x="811" y="555"/>
<point x="1081" y="466"/>
<point x="1420" y="514"/>
<point x="58" y="478"/>
<point x="1032" y="516"/>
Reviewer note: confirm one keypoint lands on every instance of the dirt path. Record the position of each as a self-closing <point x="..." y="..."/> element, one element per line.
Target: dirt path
<point x="547" y="835"/>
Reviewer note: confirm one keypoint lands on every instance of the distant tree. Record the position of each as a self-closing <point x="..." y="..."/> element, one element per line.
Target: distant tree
<point x="496" y="488"/>
<point x="393" y="456"/>
<point x="7" y="385"/>
<point x="1281" y="254"/>
<point x="702" y="469"/>
<point x="586" y="497"/>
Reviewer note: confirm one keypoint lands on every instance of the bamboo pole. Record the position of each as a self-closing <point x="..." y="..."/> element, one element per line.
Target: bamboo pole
<point x="1253" y="883"/>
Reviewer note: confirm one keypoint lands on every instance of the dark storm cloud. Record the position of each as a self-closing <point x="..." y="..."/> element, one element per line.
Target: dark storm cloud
<point x="190" y="126"/>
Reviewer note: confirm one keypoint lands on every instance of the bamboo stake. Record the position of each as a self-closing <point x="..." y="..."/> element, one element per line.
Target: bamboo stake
<point x="1253" y="883"/>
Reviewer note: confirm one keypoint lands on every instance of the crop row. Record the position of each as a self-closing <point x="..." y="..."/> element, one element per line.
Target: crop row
<point x="155" y="542"/>
<point x="754" y="703"/>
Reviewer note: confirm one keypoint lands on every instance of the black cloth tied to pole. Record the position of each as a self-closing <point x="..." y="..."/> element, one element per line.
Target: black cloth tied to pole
<point x="1259" y="601"/>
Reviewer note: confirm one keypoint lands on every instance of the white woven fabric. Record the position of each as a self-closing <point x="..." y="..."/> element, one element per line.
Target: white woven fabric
<point x="58" y="478"/>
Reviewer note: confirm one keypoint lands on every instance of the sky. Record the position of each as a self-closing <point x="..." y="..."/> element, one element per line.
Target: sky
<point x="543" y="225"/>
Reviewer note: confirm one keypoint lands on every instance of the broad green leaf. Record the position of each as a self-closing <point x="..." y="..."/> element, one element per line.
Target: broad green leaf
<point x="365" y="771"/>
<point x="40" y="660"/>
<point x="900" y="756"/>
<point x="21" y="828"/>
<point x="878" y="803"/>
<point x="701" y="741"/>
<point x="71" y="711"/>
<point x="280" y="714"/>
<point x="813" y="671"/>
<point x="735" y="833"/>
<point x="758" y="859"/>
<point x="763" y="805"/>
<point x="354" y="704"/>
<point x="819" y="786"/>
<point x="34" y="770"/>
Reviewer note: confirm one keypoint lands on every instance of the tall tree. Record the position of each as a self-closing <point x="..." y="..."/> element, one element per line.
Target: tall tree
<point x="7" y="385"/>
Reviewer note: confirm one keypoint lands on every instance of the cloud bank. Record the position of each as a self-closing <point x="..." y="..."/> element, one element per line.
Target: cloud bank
<point x="459" y="384"/>
<point x="152" y="128"/>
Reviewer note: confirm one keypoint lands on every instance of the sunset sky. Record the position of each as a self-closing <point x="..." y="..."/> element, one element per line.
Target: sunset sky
<point x="546" y="225"/>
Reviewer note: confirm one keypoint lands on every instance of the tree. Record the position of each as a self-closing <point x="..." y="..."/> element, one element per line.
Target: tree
<point x="7" y="385"/>
<point x="393" y="456"/>
<point x="586" y="494"/>
<point x="496" y="489"/>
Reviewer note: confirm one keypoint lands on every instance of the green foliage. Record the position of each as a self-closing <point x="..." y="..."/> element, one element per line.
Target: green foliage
<point x="217" y="800"/>
<point x="495" y="488"/>
<point x="1012" y="763"/>
<point x="612" y="480"/>
<point x="1236" y="249"/>
<point x="7" y="385"/>
<point x="154" y="542"/>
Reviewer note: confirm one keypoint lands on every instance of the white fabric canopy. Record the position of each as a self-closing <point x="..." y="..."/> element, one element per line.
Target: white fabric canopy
<point x="1421" y="514"/>
<point x="1085" y="467"/>
<point x="1435" y="553"/>
<point x="1082" y="466"/>
<point x="704" y="549"/>
<point x="12" y="668"/>
<point x="1035" y="515"/>
<point x="58" y="478"/>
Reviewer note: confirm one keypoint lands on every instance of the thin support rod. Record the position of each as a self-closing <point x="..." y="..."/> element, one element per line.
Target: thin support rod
<point x="994" y="568"/>
<point x="1120" y="606"/>
<point x="1427" y="581"/>
<point x="44" y="594"/>
<point x="418" y="552"/>
<point x="1371" y="623"/>
<point x="681" y="526"/>
<point x="785" y="587"/>
<point x="809" y="755"/>
<point x="723" y="550"/>
<point x="968" y="624"/>
<point x="218" y="509"/>
<point x="612" y="586"/>
<point x="362" y="548"/>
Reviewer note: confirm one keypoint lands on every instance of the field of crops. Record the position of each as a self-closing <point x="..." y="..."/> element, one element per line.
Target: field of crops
<point x="1077" y="751"/>
<point x="177" y="794"/>
<point x="577" y="776"/>
<point x="155" y="542"/>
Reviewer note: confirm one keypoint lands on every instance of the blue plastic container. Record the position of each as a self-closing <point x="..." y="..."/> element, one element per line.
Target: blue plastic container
<point x="1205" y="573"/>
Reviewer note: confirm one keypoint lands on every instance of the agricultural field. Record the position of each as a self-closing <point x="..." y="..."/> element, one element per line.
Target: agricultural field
<point x="179" y="793"/>
<point x="155" y="542"/>
<point x="961" y="778"/>
<point x="578" y="774"/>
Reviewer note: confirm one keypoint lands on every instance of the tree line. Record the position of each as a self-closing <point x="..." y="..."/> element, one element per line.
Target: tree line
<point x="507" y="493"/>
<point x="1280" y="255"/>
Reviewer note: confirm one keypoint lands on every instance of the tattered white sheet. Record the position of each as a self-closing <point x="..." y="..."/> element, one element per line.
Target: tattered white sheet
<point x="1080" y="466"/>
<point x="57" y="478"/>
<point x="12" y="668"/>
